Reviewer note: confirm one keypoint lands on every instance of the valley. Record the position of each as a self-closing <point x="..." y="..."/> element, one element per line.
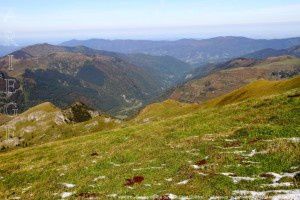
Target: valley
<point x="113" y="83"/>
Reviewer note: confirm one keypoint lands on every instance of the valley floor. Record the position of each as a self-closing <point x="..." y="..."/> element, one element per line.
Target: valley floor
<point x="244" y="150"/>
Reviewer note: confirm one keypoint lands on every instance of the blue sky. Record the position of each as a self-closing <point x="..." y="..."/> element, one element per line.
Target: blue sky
<point x="58" y="20"/>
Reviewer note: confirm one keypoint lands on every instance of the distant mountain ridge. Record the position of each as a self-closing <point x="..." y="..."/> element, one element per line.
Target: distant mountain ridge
<point x="265" y="53"/>
<point x="190" y="50"/>
<point x="4" y="50"/>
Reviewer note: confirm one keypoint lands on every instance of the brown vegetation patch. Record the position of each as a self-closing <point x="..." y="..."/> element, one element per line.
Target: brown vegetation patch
<point x="201" y="162"/>
<point x="135" y="179"/>
<point x="232" y="144"/>
<point x="294" y="95"/>
<point x="164" y="197"/>
<point x="94" y="154"/>
<point x="266" y="175"/>
<point x="253" y="141"/>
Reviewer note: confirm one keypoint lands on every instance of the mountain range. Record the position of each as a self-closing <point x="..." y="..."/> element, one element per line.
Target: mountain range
<point x="192" y="51"/>
<point x="121" y="84"/>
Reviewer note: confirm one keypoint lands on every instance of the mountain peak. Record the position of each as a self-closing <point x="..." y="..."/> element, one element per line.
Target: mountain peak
<point x="37" y="50"/>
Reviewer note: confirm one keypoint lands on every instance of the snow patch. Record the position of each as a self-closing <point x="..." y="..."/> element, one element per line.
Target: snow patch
<point x="284" y="184"/>
<point x="146" y="168"/>
<point x="274" y="194"/>
<point x="202" y="174"/>
<point x="277" y="177"/>
<point x="195" y="166"/>
<point x="68" y="185"/>
<point x="99" y="178"/>
<point x="184" y="182"/>
<point x="237" y="179"/>
<point x="66" y="194"/>
<point x="188" y="76"/>
<point x="169" y="179"/>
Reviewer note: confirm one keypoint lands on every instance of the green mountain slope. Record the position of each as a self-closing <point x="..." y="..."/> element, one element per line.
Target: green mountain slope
<point x="45" y="123"/>
<point x="166" y="68"/>
<point x="233" y="75"/>
<point x="255" y="90"/>
<point x="235" y="151"/>
<point x="265" y="53"/>
<point x="106" y="81"/>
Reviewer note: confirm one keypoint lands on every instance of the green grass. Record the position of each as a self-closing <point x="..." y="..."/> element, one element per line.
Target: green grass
<point x="255" y="90"/>
<point x="42" y="121"/>
<point x="165" y="146"/>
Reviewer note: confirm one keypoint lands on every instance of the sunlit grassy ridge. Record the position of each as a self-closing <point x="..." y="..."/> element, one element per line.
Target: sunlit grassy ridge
<point x="255" y="90"/>
<point x="169" y="152"/>
<point x="229" y="79"/>
<point x="45" y="123"/>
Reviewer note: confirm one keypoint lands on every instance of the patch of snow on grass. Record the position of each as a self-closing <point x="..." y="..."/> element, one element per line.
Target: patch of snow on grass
<point x="184" y="182"/>
<point x="112" y="195"/>
<point x="237" y="179"/>
<point x="195" y="166"/>
<point x="172" y="196"/>
<point x="146" y="168"/>
<point x="202" y="174"/>
<point x="169" y="179"/>
<point x="99" y="178"/>
<point x="277" y="177"/>
<point x="284" y="184"/>
<point x="293" y="139"/>
<point x="66" y="194"/>
<point x="114" y="164"/>
<point x="270" y="194"/>
<point x="292" y="194"/>
<point x="68" y="185"/>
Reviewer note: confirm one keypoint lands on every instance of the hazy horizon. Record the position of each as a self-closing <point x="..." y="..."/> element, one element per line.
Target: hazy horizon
<point x="56" y="21"/>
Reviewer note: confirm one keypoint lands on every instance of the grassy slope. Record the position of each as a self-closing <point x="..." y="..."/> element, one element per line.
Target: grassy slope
<point x="163" y="149"/>
<point x="225" y="81"/>
<point x="4" y="119"/>
<point x="255" y="90"/>
<point x="44" y="123"/>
